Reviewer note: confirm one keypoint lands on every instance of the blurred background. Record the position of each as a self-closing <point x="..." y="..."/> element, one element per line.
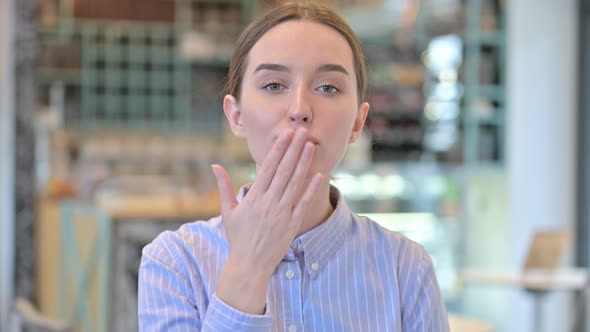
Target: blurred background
<point x="477" y="146"/>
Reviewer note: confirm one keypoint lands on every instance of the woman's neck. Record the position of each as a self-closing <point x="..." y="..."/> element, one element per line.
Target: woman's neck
<point x="319" y="210"/>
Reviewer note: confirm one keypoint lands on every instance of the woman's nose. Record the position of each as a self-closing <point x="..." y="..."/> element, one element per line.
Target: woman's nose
<point x="300" y="110"/>
<point x="299" y="117"/>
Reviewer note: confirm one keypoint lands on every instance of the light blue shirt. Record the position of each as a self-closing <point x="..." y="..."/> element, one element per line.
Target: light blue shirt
<point x="347" y="274"/>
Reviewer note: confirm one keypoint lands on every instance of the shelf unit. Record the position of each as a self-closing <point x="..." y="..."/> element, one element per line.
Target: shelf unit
<point x="400" y="80"/>
<point x="145" y="75"/>
<point x="484" y="99"/>
<point x="136" y="74"/>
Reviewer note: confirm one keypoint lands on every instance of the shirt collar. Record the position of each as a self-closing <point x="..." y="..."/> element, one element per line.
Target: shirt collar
<point x="321" y="243"/>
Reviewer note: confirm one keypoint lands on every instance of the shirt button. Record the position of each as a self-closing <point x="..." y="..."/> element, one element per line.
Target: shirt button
<point x="290" y="274"/>
<point x="315" y="266"/>
<point x="292" y="328"/>
<point x="299" y="247"/>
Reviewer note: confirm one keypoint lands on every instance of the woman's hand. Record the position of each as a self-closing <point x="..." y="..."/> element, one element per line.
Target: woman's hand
<point x="262" y="226"/>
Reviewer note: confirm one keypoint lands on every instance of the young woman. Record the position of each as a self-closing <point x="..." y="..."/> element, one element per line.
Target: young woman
<point x="287" y="254"/>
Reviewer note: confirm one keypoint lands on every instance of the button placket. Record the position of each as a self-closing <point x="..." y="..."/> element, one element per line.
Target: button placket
<point x="291" y="273"/>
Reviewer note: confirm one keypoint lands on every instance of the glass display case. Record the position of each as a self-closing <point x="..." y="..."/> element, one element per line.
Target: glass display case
<point x="421" y="201"/>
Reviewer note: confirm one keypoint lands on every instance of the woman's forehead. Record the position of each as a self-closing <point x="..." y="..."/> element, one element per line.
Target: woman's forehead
<point x="299" y="43"/>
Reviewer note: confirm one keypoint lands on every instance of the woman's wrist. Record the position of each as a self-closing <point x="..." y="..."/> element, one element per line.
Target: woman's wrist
<point x="243" y="287"/>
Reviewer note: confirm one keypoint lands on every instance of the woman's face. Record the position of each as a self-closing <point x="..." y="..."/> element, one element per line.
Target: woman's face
<point x="299" y="74"/>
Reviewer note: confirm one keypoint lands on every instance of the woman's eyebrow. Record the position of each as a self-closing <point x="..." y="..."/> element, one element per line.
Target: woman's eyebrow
<point x="271" y="66"/>
<point x="333" y="67"/>
<point x="323" y="68"/>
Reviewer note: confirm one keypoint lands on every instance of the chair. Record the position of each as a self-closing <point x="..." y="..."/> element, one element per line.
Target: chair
<point x="28" y="319"/>
<point x="547" y="249"/>
<point x="464" y="324"/>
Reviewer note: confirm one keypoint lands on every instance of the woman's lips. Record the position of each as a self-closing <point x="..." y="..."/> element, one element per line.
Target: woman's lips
<point x="314" y="141"/>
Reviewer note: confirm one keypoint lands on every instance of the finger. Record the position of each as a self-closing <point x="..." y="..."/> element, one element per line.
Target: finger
<point x="287" y="164"/>
<point x="269" y="166"/>
<point x="298" y="179"/>
<point x="227" y="192"/>
<point x="310" y="194"/>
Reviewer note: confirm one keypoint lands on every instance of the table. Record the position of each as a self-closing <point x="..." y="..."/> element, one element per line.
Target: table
<point x="537" y="282"/>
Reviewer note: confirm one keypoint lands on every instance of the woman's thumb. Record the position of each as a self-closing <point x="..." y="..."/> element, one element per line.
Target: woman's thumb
<point x="225" y="186"/>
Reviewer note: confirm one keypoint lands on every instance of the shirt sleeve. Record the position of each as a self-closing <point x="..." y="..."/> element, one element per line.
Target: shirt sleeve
<point x="423" y="308"/>
<point x="166" y="301"/>
<point x="223" y="317"/>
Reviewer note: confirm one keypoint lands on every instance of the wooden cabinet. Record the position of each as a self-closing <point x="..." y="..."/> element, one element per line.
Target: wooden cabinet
<point x="132" y="10"/>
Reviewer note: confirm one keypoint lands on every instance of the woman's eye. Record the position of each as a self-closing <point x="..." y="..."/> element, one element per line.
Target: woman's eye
<point x="273" y="86"/>
<point x="328" y="89"/>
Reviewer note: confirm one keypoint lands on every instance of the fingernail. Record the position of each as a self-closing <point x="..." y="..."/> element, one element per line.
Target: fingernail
<point x="214" y="169"/>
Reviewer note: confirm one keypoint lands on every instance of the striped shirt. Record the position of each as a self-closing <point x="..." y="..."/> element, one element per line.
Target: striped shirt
<point x="347" y="274"/>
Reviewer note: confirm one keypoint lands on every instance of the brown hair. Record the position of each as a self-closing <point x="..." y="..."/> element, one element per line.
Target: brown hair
<point x="313" y="12"/>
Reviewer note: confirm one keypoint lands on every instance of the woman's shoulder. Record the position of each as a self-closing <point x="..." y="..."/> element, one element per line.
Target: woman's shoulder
<point x="188" y="241"/>
<point x="392" y="241"/>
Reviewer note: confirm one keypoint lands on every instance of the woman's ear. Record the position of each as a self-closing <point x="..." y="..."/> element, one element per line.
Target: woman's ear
<point x="234" y="116"/>
<point x="359" y="122"/>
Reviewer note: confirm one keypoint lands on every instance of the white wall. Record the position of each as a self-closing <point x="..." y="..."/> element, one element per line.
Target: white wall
<point x="6" y="162"/>
<point x="542" y="106"/>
